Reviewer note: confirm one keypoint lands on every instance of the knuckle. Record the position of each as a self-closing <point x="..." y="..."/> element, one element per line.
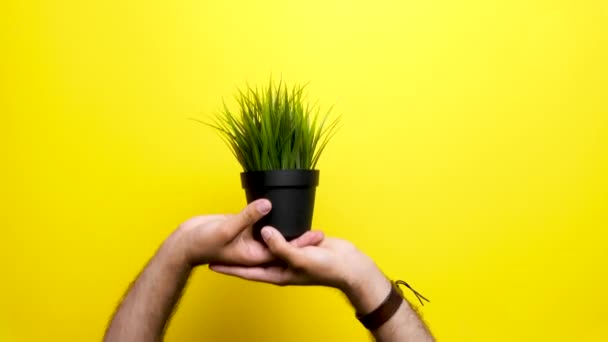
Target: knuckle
<point x="249" y="215"/>
<point x="189" y="224"/>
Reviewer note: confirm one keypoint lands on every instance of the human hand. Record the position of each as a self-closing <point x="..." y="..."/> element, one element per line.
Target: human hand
<point x="333" y="262"/>
<point x="228" y="239"/>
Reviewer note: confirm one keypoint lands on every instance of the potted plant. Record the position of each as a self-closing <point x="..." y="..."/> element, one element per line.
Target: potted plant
<point x="278" y="136"/>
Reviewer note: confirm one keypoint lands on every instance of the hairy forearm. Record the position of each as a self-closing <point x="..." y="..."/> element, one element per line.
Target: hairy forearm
<point x="147" y="306"/>
<point x="404" y="326"/>
<point x="369" y="291"/>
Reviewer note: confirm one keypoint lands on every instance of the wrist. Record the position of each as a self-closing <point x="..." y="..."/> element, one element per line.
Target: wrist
<point x="367" y="288"/>
<point x="175" y="250"/>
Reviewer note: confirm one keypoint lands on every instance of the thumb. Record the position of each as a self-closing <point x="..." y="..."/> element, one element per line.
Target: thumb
<point x="247" y="217"/>
<point x="280" y="247"/>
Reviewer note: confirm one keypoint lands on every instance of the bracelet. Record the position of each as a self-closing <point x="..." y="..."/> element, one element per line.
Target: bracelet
<point x="384" y="312"/>
<point x="389" y="306"/>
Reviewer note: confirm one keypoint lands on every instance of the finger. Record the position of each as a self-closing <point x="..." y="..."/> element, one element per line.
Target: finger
<point x="310" y="238"/>
<point x="273" y="275"/>
<point x="281" y="248"/>
<point x="247" y="217"/>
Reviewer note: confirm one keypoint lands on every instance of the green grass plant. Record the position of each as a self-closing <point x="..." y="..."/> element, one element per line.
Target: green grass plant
<point x="275" y="128"/>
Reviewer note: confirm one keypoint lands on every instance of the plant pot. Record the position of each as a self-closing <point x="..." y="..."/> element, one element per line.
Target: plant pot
<point x="292" y="194"/>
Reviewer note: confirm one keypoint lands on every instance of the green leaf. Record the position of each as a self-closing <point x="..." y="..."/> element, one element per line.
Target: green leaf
<point x="275" y="127"/>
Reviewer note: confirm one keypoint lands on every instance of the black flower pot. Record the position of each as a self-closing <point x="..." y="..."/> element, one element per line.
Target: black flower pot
<point x="292" y="193"/>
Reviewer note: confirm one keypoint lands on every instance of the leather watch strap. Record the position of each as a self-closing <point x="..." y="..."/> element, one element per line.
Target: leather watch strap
<point x="384" y="312"/>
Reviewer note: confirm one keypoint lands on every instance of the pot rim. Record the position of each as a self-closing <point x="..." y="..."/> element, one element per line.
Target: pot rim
<point x="280" y="178"/>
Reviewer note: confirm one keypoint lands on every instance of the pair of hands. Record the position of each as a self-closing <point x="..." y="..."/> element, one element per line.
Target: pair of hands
<point x="226" y="243"/>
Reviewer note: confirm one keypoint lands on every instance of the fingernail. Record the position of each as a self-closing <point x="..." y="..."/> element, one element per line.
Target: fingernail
<point x="266" y="233"/>
<point x="264" y="206"/>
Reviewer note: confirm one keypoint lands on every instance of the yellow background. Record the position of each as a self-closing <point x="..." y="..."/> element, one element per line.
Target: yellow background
<point x="472" y="161"/>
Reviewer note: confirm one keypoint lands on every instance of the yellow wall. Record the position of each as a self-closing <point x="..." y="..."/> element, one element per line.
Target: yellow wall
<point x="472" y="162"/>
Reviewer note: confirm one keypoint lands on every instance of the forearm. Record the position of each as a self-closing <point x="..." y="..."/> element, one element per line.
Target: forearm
<point x="143" y="313"/>
<point x="367" y="293"/>
<point x="404" y="326"/>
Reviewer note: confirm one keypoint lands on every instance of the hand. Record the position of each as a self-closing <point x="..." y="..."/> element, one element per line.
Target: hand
<point x="228" y="239"/>
<point x="333" y="262"/>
